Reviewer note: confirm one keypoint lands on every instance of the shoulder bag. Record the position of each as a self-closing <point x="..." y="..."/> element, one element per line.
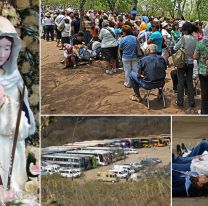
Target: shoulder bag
<point x="179" y="56"/>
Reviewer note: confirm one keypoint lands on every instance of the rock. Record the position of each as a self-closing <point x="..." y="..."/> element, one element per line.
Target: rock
<point x="23" y="4"/>
<point x="34" y="99"/>
<point x="25" y="68"/>
<point x="35" y="89"/>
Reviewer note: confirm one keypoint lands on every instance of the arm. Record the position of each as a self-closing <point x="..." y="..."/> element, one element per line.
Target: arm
<point x="149" y="41"/>
<point x="165" y="39"/>
<point x="172" y="37"/>
<point x="196" y="52"/>
<point x="100" y="35"/>
<point x="196" y="55"/>
<point x="178" y="45"/>
<point x="121" y="44"/>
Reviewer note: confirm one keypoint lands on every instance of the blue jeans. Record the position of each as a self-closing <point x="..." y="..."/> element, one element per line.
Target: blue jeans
<point x="136" y="83"/>
<point x="49" y="29"/>
<point x="198" y="150"/>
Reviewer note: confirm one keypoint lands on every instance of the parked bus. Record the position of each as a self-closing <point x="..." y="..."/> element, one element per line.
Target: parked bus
<point x="117" y="152"/>
<point x="65" y="160"/>
<point x="103" y="157"/>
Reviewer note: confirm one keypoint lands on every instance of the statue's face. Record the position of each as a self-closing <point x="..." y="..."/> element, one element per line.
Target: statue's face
<point x="5" y="50"/>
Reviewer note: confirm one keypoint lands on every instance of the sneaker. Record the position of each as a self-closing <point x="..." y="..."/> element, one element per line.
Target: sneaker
<point x="183" y="147"/>
<point x="75" y="66"/>
<point x="127" y="85"/>
<point x="108" y="71"/>
<point x="114" y="70"/>
<point x="136" y="98"/>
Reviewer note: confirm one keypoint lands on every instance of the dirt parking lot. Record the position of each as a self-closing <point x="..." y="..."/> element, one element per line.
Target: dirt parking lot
<point x="163" y="153"/>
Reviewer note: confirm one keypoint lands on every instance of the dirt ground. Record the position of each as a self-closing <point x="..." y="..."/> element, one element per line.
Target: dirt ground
<point x="88" y="90"/>
<point x="190" y="131"/>
<point x="163" y="153"/>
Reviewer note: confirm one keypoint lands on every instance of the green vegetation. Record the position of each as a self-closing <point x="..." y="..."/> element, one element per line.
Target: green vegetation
<point x="60" y="191"/>
<point x="191" y="9"/>
<point x="62" y="130"/>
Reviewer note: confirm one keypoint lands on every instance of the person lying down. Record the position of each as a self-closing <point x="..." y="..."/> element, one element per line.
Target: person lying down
<point x="190" y="174"/>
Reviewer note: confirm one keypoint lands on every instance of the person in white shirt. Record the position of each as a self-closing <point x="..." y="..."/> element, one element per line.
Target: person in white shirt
<point x="109" y="46"/>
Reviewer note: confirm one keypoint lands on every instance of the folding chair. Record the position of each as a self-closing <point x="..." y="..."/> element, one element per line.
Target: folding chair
<point x="161" y="88"/>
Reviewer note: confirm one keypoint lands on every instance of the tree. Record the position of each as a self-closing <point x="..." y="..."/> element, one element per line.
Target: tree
<point x="81" y="9"/>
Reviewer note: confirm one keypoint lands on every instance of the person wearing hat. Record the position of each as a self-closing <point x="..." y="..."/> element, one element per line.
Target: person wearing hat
<point x="165" y="33"/>
<point x="152" y="67"/>
<point x="49" y="26"/>
<point x="167" y="41"/>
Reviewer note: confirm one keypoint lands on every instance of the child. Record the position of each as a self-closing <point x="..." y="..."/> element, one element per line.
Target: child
<point x="11" y="86"/>
<point x="71" y="56"/>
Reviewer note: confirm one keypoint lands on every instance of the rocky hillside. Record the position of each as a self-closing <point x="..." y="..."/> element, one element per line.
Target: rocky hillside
<point x="70" y="129"/>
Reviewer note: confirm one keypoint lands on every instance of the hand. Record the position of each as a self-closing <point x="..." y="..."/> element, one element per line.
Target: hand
<point x="7" y="195"/>
<point x="207" y="63"/>
<point x="35" y="169"/>
<point x="138" y="75"/>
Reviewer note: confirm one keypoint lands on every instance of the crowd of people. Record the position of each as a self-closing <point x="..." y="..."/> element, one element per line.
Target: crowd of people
<point x="143" y="44"/>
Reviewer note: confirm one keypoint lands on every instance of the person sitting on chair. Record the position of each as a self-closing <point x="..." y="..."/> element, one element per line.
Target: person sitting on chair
<point x="151" y="73"/>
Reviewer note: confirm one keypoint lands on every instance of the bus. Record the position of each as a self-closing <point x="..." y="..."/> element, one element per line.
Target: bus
<point x="103" y="157"/>
<point x="65" y="160"/>
<point x="117" y="152"/>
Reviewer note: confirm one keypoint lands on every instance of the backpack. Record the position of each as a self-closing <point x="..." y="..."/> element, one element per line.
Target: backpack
<point x="179" y="56"/>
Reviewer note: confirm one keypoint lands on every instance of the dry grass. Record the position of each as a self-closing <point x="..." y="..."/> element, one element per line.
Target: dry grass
<point x="60" y="191"/>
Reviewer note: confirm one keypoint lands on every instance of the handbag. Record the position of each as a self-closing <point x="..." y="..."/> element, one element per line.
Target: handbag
<point x="139" y="51"/>
<point x="179" y="56"/>
<point x="8" y="194"/>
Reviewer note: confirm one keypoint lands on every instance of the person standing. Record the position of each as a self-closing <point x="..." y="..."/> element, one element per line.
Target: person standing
<point x="201" y="54"/>
<point x="109" y="46"/>
<point x="49" y="27"/>
<point x="128" y="45"/>
<point x="156" y="38"/>
<point x="185" y="74"/>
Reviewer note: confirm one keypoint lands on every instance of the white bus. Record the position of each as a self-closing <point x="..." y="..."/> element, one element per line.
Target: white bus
<point x="103" y="157"/>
